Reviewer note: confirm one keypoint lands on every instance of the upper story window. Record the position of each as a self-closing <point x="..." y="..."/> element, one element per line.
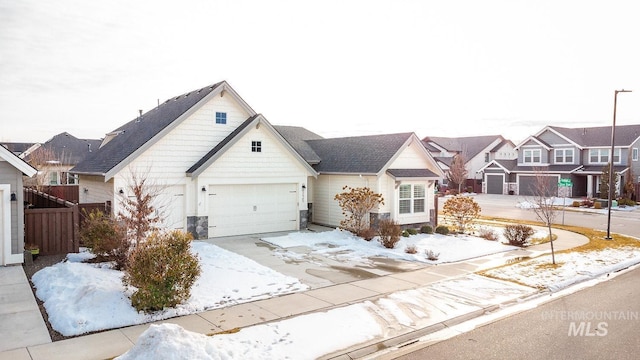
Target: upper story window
<point x="256" y="146"/>
<point x="563" y="156"/>
<point x="412" y="199"/>
<point x="634" y="154"/>
<point x="221" y="117"/>
<point x="601" y="156"/>
<point x="531" y="156"/>
<point x="53" y="178"/>
<point x="486" y="157"/>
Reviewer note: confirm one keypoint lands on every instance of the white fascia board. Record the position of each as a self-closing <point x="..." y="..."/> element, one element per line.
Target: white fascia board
<point x="16" y="162"/>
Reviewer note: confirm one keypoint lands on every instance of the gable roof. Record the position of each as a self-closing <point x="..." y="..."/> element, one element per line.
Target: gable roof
<point x="136" y="136"/>
<point x="16" y="162"/>
<point x="236" y="134"/>
<point x="469" y="146"/>
<point x="359" y="154"/>
<point x="598" y="136"/>
<point x="297" y="137"/>
<point x="17" y="147"/>
<point x="68" y="149"/>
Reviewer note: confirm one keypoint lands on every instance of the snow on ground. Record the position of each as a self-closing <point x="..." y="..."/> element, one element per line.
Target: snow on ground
<point x="313" y="335"/>
<point x="82" y="297"/>
<point x="568" y="202"/>
<point x="344" y="246"/>
<point x="571" y="267"/>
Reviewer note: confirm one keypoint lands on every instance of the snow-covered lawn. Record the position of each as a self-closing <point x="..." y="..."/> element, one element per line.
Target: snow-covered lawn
<point x="314" y="335"/>
<point x="344" y="246"/>
<point x="571" y="267"/>
<point x="83" y="297"/>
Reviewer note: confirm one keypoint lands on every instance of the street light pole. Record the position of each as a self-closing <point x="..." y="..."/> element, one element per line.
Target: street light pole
<point x="611" y="183"/>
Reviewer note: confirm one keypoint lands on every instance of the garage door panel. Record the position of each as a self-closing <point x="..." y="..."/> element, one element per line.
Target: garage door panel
<point x="253" y="208"/>
<point x="495" y="183"/>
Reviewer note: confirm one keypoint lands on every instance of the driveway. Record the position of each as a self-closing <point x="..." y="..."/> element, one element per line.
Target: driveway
<point x="315" y="270"/>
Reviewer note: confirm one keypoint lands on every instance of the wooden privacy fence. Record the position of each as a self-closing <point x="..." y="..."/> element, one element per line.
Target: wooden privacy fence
<point x="53" y="224"/>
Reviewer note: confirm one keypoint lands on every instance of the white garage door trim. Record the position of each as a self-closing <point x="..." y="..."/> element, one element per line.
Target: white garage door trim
<point x="252" y="208"/>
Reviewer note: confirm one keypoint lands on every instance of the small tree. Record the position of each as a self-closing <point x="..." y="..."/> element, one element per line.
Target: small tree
<point x="105" y="238"/>
<point x="356" y="203"/>
<point x="542" y="190"/>
<point x="457" y="173"/>
<point x="604" y="183"/>
<point x="461" y="211"/>
<point x="44" y="160"/>
<point x="138" y="214"/>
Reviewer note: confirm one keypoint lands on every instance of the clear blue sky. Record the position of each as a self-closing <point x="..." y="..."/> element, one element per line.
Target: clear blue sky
<point x="339" y="68"/>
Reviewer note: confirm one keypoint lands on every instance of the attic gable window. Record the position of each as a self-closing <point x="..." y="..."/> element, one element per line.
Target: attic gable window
<point x="221" y="117"/>
<point x="256" y="146"/>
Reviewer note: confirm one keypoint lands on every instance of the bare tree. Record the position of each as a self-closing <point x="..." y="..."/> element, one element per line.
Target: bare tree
<point x="140" y="211"/>
<point x="457" y="173"/>
<point x="543" y="203"/>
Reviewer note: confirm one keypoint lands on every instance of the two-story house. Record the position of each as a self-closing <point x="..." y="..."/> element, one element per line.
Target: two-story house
<point x="577" y="154"/>
<point x="477" y="152"/>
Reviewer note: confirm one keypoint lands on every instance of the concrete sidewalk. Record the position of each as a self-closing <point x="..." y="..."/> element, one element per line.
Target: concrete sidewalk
<point x="109" y="344"/>
<point x="21" y="323"/>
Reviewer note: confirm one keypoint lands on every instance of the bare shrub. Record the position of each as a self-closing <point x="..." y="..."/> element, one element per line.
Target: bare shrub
<point x="367" y="234"/>
<point x="518" y="234"/>
<point x="389" y="232"/>
<point x="431" y="255"/>
<point x="411" y="249"/>
<point x="488" y="234"/>
<point x="461" y="212"/>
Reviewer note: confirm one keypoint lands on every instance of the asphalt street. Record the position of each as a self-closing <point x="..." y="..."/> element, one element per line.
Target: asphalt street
<point x="599" y="322"/>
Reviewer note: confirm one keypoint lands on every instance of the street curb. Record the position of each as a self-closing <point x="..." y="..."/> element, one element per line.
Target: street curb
<point x="408" y="338"/>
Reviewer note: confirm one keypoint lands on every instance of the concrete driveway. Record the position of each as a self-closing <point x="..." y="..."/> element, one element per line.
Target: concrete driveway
<point x="315" y="270"/>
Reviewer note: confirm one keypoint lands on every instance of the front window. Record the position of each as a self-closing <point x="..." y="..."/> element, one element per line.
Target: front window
<point x="601" y="156"/>
<point x="532" y="156"/>
<point x="564" y="156"/>
<point x="412" y="199"/>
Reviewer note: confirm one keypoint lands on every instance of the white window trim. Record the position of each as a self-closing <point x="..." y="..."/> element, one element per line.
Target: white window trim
<point x="564" y="156"/>
<point x="617" y="152"/>
<point x="412" y="199"/>
<point x="634" y="154"/>
<point x="524" y="156"/>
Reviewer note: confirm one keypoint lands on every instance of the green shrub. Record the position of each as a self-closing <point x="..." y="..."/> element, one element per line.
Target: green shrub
<point x="626" y="202"/>
<point x="518" y="234"/>
<point x="389" y="232"/>
<point x="105" y="238"/>
<point x="412" y="231"/>
<point x="426" y="229"/>
<point x="405" y="233"/>
<point x="163" y="269"/>
<point x="442" y="230"/>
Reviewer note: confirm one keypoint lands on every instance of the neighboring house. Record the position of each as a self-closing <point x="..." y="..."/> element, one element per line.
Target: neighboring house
<point x="56" y="156"/>
<point x="12" y="168"/>
<point x="476" y="150"/>
<point x="397" y="166"/>
<point x="19" y="148"/>
<point x="577" y="154"/>
<point x="225" y="170"/>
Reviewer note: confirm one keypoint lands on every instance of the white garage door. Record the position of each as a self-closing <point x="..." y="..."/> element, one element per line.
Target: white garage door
<point x="250" y="209"/>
